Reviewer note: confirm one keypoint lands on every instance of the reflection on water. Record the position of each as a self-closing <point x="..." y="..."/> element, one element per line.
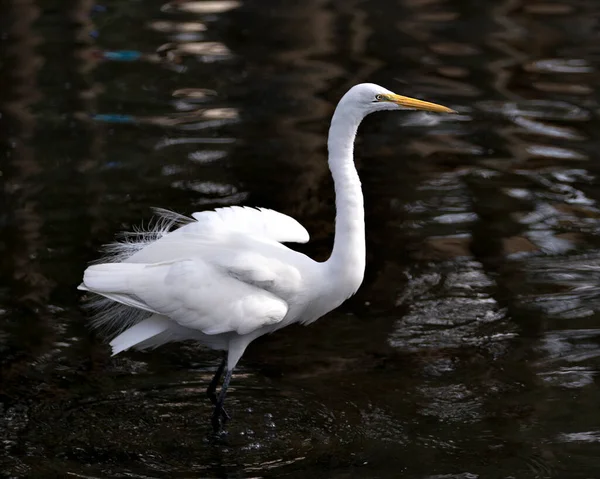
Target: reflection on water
<point x="473" y="348"/>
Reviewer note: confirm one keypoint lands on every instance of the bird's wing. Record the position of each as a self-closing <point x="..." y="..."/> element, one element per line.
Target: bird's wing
<point x="210" y="296"/>
<point x="219" y="233"/>
<point x="257" y="222"/>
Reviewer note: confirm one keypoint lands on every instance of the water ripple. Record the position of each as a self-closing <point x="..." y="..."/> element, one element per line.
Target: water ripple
<point x="545" y="109"/>
<point x="200" y="7"/>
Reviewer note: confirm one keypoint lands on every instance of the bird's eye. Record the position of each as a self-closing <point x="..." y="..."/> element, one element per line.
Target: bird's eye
<point x="378" y="97"/>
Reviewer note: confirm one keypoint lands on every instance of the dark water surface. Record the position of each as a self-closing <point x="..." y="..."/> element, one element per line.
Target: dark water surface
<point x="472" y="350"/>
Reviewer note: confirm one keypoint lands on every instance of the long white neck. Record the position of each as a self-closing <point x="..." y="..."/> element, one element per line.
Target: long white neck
<point x="347" y="261"/>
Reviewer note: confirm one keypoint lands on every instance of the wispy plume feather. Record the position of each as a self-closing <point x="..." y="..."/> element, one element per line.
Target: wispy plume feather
<point x="108" y="316"/>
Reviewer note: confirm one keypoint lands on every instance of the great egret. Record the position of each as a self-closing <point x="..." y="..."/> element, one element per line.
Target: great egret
<point x="224" y="278"/>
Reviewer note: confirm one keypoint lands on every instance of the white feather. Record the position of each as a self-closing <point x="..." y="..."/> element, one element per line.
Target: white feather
<point x="143" y="331"/>
<point x="261" y="223"/>
<point x="194" y="293"/>
<point x="204" y="275"/>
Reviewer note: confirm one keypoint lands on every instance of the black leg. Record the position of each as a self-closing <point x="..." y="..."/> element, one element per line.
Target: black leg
<point x="212" y="387"/>
<point x="219" y="411"/>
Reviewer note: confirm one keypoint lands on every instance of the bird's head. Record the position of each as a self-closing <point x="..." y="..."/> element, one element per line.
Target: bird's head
<point x="368" y="98"/>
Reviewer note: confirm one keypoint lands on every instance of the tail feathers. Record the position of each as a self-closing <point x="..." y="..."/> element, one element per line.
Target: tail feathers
<point x="142" y="332"/>
<point x="110" y="277"/>
<point x="158" y="340"/>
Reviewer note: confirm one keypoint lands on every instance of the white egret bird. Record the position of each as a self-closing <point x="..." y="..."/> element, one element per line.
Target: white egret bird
<point x="224" y="278"/>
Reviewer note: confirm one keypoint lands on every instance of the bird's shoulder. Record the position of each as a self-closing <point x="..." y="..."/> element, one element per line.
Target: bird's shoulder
<point x="257" y="222"/>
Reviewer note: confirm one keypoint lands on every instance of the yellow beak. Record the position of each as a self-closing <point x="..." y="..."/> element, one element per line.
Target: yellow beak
<point x="415" y="104"/>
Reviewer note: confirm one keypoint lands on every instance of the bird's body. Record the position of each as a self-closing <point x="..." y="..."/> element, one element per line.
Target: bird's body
<point x="224" y="278"/>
